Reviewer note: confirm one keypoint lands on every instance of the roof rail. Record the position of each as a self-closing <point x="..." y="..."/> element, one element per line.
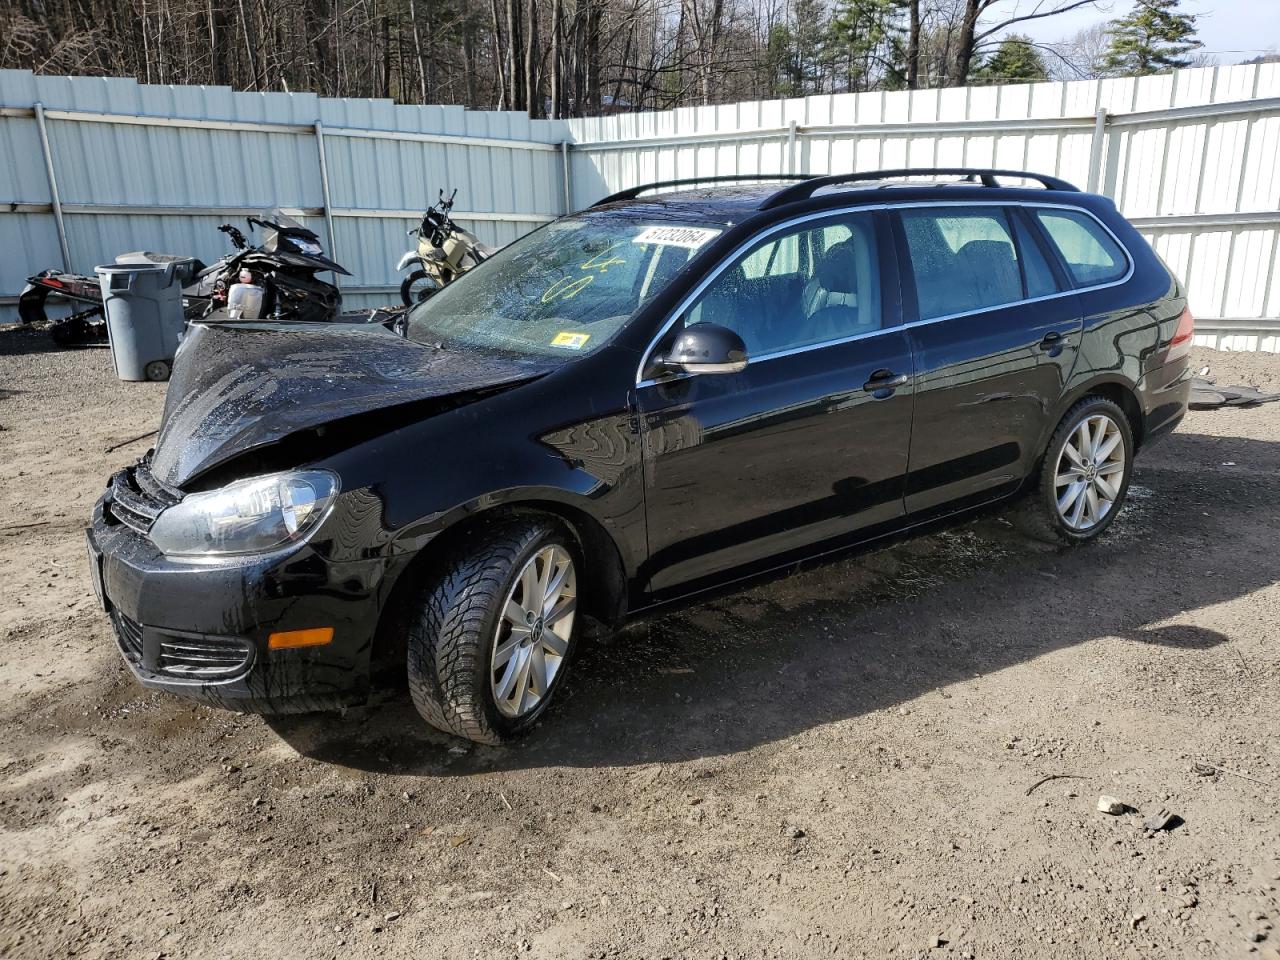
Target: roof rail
<point x="632" y="192"/>
<point x="987" y="177"/>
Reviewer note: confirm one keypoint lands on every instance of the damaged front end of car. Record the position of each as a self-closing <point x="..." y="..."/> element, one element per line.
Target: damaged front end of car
<point x="245" y="561"/>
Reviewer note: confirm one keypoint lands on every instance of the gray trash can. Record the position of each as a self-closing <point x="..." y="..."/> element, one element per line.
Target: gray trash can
<point x="184" y="267"/>
<point x="143" y="304"/>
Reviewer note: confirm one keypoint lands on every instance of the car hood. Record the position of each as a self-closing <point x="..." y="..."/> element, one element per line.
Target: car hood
<point x="237" y="387"/>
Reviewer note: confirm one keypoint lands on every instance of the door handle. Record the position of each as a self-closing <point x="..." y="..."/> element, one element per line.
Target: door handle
<point x="885" y="380"/>
<point x="1051" y="341"/>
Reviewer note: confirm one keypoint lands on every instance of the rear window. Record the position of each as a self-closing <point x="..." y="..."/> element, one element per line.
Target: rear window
<point x="1091" y="255"/>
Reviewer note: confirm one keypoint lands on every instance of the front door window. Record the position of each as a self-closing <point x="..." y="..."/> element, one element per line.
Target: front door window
<point x="801" y="287"/>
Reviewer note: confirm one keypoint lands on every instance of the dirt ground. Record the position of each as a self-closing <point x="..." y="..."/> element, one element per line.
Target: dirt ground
<point x="845" y="763"/>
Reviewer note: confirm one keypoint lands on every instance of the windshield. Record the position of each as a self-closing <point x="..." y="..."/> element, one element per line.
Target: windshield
<point x="278" y="218"/>
<point x="561" y="291"/>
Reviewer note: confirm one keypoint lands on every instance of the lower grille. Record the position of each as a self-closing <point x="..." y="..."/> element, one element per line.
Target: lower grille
<point x="202" y="656"/>
<point x="187" y="656"/>
<point x="129" y="636"/>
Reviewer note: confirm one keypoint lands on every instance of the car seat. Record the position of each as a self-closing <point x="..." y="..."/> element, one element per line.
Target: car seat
<point x="989" y="274"/>
<point x="837" y="296"/>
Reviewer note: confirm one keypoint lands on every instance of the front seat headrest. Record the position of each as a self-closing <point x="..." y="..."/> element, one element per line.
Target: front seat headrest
<point x="837" y="269"/>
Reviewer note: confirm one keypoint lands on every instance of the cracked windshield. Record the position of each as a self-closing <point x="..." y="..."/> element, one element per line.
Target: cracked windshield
<point x="561" y="291"/>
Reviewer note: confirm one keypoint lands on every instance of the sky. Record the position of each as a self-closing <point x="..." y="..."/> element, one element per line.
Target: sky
<point x="1231" y="30"/>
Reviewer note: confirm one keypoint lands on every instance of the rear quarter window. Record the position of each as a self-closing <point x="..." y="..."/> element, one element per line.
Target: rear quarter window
<point x="1091" y="255"/>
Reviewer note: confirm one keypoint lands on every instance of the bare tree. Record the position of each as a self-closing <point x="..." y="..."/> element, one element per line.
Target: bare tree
<point x="556" y="57"/>
<point x="971" y="33"/>
<point x="1082" y="56"/>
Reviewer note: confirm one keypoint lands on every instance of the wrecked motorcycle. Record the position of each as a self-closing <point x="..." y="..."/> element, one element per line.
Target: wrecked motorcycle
<point x="274" y="281"/>
<point x="444" y="252"/>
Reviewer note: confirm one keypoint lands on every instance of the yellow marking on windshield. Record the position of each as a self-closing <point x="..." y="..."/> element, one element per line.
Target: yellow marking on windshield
<point x="566" y="288"/>
<point x="597" y="263"/>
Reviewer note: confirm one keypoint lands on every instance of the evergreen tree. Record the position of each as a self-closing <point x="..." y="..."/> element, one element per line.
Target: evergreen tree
<point x="868" y="43"/>
<point x="781" y="75"/>
<point x="809" y="39"/>
<point x="1015" y="61"/>
<point x="1154" y="36"/>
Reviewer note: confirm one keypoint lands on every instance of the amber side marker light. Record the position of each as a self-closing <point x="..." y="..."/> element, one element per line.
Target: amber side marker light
<point x="289" y="639"/>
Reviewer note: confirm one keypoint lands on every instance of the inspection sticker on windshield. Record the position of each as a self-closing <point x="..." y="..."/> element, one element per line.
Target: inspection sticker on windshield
<point x="570" y="341"/>
<point x="691" y="238"/>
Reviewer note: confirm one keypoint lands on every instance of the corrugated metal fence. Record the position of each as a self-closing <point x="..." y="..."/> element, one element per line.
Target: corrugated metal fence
<point x="91" y="167"/>
<point x="1191" y="157"/>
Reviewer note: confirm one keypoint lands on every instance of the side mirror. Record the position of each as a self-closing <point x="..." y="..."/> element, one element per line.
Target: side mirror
<point x="707" y="348"/>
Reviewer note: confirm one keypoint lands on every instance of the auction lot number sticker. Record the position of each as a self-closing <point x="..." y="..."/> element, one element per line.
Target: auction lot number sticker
<point x="691" y="238"/>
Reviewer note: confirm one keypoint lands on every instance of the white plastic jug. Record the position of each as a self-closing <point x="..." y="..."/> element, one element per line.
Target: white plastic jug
<point x="244" y="301"/>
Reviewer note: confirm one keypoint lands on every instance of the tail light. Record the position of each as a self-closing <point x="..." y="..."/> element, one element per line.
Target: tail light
<point x="1180" y="345"/>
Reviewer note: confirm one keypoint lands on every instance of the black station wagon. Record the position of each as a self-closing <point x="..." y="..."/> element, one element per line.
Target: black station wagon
<point x="673" y="390"/>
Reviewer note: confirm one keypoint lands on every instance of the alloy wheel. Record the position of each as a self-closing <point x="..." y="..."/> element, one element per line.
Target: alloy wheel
<point x="532" y="638"/>
<point x="1090" y="472"/>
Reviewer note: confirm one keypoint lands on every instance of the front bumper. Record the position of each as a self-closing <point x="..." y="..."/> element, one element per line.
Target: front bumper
<point x="201" y="630"/>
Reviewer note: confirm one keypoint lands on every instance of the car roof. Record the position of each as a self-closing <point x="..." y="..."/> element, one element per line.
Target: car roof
<point x="733" y="202"/>
<point x="716" y="204"/>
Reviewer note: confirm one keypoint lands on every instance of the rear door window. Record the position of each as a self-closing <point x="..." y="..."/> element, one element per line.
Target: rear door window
<point x="963" y="258"/>
<point x="1090" y="253"/>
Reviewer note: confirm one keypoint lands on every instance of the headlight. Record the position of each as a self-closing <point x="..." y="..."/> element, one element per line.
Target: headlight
<point x="248" y="516"/>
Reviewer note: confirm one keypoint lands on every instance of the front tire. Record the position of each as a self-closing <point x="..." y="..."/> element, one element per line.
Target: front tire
<point x="493" y="638"/>
<point x="416" y="287"/>
<point x="1085" y="474"/>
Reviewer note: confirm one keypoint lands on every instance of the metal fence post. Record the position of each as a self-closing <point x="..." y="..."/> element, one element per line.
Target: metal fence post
<point x="791" y="147"/>
<point x="55" y="198"/>
<point x="567" y="183"/>
<point x="1096" y="152"/>
<point x="324" y="193"/>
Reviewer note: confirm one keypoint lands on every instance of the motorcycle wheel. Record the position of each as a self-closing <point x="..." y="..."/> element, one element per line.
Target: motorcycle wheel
<point x="416" y="287"/>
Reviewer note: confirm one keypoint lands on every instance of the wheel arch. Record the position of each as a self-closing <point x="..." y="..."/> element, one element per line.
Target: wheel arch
<point x="604" y="575"/>
<point x="1118" y="391"/>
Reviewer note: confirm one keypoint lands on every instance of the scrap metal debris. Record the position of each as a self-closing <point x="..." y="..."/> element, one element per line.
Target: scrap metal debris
<point x="1206" y="394"/>
<point x="124" y="443"/>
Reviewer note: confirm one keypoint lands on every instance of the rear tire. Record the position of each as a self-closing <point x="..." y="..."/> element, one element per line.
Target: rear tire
<point x="493" y="638"/>
<point x="69" y="331"/>
<point x="1085" y="474"/>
